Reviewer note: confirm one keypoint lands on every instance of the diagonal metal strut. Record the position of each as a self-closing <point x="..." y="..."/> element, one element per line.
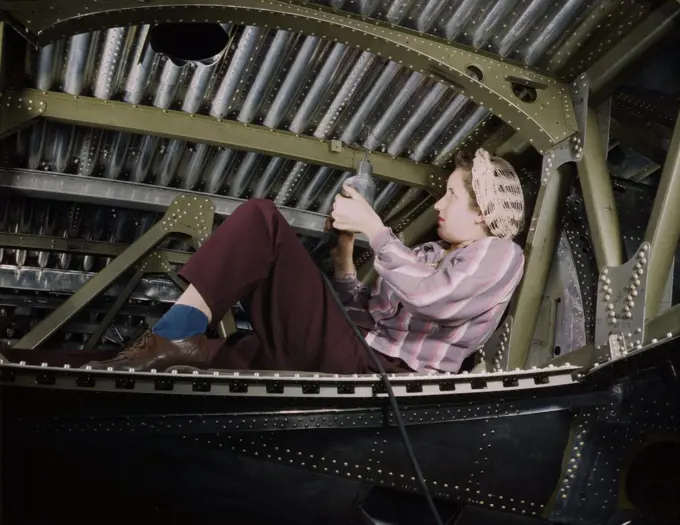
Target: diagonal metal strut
<point x="187" y="215"/>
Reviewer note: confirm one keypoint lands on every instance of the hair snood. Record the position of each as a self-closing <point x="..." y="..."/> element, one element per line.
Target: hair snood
<point x="499" y="194"/>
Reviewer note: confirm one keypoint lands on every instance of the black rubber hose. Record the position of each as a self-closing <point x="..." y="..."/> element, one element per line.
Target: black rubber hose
<point x="393" y="401"/>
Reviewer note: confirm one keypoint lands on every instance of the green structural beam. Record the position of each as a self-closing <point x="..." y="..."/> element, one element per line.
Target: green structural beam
<point x="545" y="117"/>
<point x="45" y="243"/>
<point x="539" y="250"/>
<point x="15" y="113"/>
<point x="663" y="229"/>
<point x="598" y="197"/>
<point x="147" y="120"/>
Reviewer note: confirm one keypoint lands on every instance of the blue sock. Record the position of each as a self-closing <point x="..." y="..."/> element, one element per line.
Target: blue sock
<point x="180" y="322"/>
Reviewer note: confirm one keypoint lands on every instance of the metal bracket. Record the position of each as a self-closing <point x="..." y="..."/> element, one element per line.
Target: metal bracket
<point x="17" y="112"/>
<point x="495" y="351"/>
<point x="189" y="215"/>
<point x="620" y="313"/>
<point x="155" y="263"/>
<point x="571" y="149"/>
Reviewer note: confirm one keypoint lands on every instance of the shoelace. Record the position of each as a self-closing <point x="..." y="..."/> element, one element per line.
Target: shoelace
<point x="138" y="346"/>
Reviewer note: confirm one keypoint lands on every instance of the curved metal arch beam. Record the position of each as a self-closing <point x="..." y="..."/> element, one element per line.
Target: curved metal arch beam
<point x="545" y="121"/>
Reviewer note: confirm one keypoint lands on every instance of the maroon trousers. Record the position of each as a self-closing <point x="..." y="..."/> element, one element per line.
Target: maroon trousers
<point x="256" y="258"/>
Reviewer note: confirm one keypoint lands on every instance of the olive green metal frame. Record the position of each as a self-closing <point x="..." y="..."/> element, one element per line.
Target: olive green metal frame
<point x="482" y="77"/>
<point x="661" y="239"/>
<point x="541" y="244"/>
<point x="19" y="110"/>
<point x="79" y="247"/>
<point x="663" y="229"/>
<point x="156" y="262"/>
<point x="186" y="215"/>
<point x="598" y="196"/>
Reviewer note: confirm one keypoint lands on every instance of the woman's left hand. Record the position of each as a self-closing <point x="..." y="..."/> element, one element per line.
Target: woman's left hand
<point x="353" y="214"/>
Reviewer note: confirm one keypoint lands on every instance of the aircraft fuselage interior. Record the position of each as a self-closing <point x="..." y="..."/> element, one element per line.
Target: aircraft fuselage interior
<point x="132" y="130"/>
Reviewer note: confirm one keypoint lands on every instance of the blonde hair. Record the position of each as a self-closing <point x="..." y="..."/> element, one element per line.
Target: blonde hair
<point x="496" y="192"/>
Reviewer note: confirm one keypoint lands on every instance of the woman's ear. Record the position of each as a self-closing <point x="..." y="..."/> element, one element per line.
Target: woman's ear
<point x="479" y="218"/>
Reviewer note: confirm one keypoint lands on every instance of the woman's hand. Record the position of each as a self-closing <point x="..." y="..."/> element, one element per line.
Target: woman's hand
<point x="343" y="252"/>
<point x="351" y="213"/>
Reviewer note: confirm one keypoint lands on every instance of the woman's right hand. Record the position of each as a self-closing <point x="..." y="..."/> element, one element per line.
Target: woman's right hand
<point x="343" y="253"/>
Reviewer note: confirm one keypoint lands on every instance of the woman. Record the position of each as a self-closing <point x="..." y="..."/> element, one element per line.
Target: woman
<point x="430" y="308"/>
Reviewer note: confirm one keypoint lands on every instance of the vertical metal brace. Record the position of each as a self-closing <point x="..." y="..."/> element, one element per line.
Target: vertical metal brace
<point x="630" y="293"/>
<point x="663" y="229"/>
<point x="598" y="196"/>
<point x="541" y="241"/>
<point x="620" y="311"/>
<point x="189" y="215"/>
<point x="15" y="111"/>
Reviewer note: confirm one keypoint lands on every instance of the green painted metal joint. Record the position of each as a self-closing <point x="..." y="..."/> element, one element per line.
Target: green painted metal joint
<point x="16" y="112"/>
<point x="608" y="71"/>
<point x="538" y="105"/>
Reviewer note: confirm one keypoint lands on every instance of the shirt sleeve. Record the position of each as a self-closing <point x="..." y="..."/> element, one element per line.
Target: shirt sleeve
<point x="352" y="292"/>
<point x="481" y="276"/>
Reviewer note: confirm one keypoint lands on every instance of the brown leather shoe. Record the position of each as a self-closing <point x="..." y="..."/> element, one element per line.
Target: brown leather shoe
<point x="152" y="351"/>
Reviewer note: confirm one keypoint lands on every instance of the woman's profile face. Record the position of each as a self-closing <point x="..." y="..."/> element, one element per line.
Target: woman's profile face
<point x="459" y="220"/>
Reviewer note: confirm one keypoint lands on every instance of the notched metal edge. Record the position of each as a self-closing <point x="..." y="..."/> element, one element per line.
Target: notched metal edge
<point x="289" y="384"/>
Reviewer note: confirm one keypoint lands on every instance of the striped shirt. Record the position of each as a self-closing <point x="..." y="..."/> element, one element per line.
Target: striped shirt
<point x="432" y="307"/>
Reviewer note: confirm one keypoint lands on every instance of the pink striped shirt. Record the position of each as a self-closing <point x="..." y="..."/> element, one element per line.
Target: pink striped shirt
<point x="431" y="307"/>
